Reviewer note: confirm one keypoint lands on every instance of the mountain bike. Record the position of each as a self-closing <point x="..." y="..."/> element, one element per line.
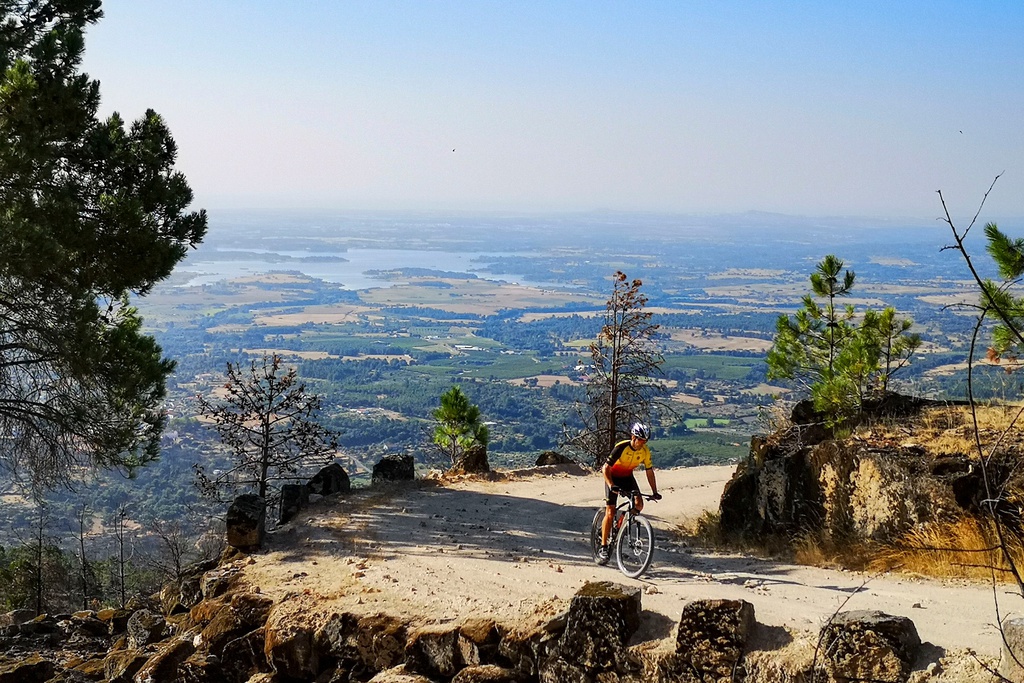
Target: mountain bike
<point x="633" y="547"/>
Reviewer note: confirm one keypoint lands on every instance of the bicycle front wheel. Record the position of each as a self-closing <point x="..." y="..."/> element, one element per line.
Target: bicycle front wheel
<point x="634" y="546"/>
<point x="595" y="535"/>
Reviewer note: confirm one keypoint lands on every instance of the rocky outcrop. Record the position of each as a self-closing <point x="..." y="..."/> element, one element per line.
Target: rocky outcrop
<point x="294" y="497"/>
<point x="394" y="467"/>
<point x="842" y="489"/>
<point x="471" y="461"/>
<point x="553" y="458"/>
<point x="869" y="646"/>
<point x="32" y="669"/>
<point x="246" y="522"/>
<point x="602" y="617"/>
<point x="236" y="635"/>
<point x="1011" y="663"/>
<point x="331" y="480"/>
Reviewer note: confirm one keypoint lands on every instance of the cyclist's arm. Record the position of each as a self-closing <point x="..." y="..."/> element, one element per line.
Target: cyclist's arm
<point x="607" y="477"/>
<point x="652" y="480"/>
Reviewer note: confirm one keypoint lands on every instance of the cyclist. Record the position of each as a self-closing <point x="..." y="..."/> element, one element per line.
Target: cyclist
<point x="618" y="477"/>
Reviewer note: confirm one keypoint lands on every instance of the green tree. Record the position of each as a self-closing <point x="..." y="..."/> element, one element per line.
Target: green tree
<point x="458" y="425"/>
<point x="91" y="212"/>
<point x="269" y="422"/>
<point x="625" y="360"/>
<point x="841" y="362"/>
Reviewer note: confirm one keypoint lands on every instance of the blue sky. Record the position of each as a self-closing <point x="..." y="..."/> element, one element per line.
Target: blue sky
<point x="814" y="108"/>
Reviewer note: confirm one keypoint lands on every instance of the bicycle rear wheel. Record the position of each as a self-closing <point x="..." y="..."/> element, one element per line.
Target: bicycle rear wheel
<point x="634" y="546"/>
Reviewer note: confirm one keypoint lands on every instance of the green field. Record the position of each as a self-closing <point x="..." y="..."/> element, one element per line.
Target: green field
<point x="699" y="449"/>
<point x="728" y="368"/>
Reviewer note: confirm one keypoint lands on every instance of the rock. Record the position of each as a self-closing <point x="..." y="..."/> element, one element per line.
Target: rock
<point x="1011" y="663"/>
<point x="434" y="651"/>
<point x="31" y="669"/>
<point x="483" y="634"/>
<point x="329" y="481"/>
<point x="363" y="643"/>
<point x="243" y="658"/>
<point x="289" y="647"/>
<point x="87" y="625"/>
<point x="163" y="666"/>
<point x="16" y="617"/>
<point x="144" y="628"/>
<point x="40" y="626"/>
<point x="218" y="581"/>
<point x="553" y="458"/>
<point x="711" y="638"/>
<point x="869" y="645"/>
<point x="120" y="666"/>
<point x="200" y="668"/>
<point x="115" y="618"/>
<point x="293" y="499"/>
<point x="472" y="461"/>
<point x="394" y="467"/>
<point x="91" y="669"/>
<point x="488" y="673"/>
<point x="245" y="613"/>
<point x="399" y="675"/>
<point x="735" y="513"/>
<point x="246" y="522"/>
<point x="603" y="616"/>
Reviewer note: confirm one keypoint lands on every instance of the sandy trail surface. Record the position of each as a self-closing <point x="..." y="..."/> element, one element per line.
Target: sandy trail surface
<point x="518" y="549"/>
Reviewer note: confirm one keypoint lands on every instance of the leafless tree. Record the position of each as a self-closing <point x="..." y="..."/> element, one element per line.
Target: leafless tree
<point x="267" y="419"/>
<point x="625" y="362"/>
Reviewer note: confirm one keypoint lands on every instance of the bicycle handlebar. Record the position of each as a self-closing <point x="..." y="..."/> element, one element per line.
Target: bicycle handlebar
<point x="646" y="496"/>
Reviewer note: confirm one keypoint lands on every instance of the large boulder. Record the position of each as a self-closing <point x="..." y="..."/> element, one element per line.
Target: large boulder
<point x="293" y="498"/>
<point x="289" y="647"/>
<point x="553" y="458"/>
<point x="144" y="628"/>
<point x="247" y="522"/>
<point x="31" y="669"/>
<point x="394" y="467"/>
<point x="1011" y="663"/>
<point x="362" y="644"/>
<point x="435" y="651"/>
<point x="842" y="489"/>
<point x="865" y="645"/>
<point x="473" y="460"/>
<point x="329" y="481"/>
<point x="163" y="666"/>
<point x="243" y="658"/>
<point x="245" y="613"/>
<point x="710" y="640"/>
<point x="602" y="617"/>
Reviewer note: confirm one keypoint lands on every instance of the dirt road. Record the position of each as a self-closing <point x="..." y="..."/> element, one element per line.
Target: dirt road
<point x="518" y="549"/>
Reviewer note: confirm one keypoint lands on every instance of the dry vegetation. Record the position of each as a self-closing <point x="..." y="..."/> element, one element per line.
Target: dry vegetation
<point x="964" y="546"/>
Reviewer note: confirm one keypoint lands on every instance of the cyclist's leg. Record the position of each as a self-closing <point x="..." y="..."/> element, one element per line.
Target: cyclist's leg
<point x="629" y="484"/>
<point x="609" y="515"/>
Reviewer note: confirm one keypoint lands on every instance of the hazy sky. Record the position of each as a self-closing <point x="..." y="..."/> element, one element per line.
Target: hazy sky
<point x="837" y="108"/>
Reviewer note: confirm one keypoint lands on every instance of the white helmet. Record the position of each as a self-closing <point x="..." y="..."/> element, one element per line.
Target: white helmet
<point x="640" y="431"/>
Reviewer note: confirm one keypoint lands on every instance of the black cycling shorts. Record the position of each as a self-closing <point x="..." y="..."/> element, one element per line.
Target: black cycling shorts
<point x="624" y="483"/>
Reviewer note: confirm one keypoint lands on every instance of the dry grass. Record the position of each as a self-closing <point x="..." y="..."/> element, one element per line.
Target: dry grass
<point x="949" y="430"/>
<point x="964" y="548"/>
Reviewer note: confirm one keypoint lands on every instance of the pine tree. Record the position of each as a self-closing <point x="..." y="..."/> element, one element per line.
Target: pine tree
<point x="458" y="427"/>
<point x="91" y="212"/>
<point x="838" y="360"/>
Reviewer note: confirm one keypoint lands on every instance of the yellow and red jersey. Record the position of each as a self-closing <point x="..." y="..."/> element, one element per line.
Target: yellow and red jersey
<point x="624" y="459"/>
